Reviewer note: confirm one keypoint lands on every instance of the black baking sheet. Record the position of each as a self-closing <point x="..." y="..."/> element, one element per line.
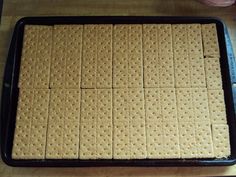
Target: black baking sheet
<point x="10" y="93"/>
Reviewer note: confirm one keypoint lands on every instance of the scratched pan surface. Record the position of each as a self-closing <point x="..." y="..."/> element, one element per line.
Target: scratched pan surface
<point x="10" y="93"/>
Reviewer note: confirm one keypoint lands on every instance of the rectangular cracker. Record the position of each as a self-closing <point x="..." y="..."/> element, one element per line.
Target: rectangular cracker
<point x="150" y="55"/>
<point x="25" y="106"/>
<point x="43" y="57"/>
<point x="121" y="140"/>
<point x="204" y="140"/>
<point x="153" y="105"/>
<point x="58" y="60"/>
<point x="40" y="106"/>
<point x="74" y="55"/>
<point x="165" y="40"/>
<point x="38" y="135"/>
<point x="120" y="105"/>
<point x="181" y="60"/>
<point x="120" y="56"/>
<point x="155" y="140"/>
<point x="182" y="71"/>
<point x="64" y="118"/>
<point x="28" y="56"/>
<point x="21" y="141"/>
<point x="213" y="73"/>
<point x="185" y="106"/>
<point x="72" y="105"/>
<point x="104" y="105"/>
<point x="201" y="106"/>
<point x="197" y="71"/>
<point x="71" y="140"/>
<point x="217" y="106"/>
<point x="180" y="39"/>
<point x="166" y="69"/>
<point x="31" y="122"/>
<point x="138" y="140"/>
<point x="104" y="140"/>
<point x="195" y="40"/>
<point x="54" y="148"/>
<point x="136" y="105"/>
<point x="168" y="104"/>
<point x="210" y="40"/>
<point x="88" y="105"/>
<point x="57" y="105"/>
<point x="88" y="140"/>
<point x="187" y="140"/>
<point x="221" y="141"/>
<point x="104" y="58"/>
<point x="171" y="140"/>
<point x="89" y="60"/>
<point x="165" y="51"/>
<point x="135" y="57"/>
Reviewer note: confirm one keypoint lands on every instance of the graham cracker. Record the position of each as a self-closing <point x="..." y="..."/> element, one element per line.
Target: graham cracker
<point x="210" y="40"/>
<point x="21" y="141"/>
<point x="221" y="140"/>
<point x="25" y="105"/>
<point x="166" y="70"/>
<point x="153" y="105"/>
<point x="155" y="140"/>
<point x="171" y="140"/>
<point x="168" y="104"/>
<point x="64" y="116"/>
<point x="120" y="105"/>
<point x="196" y="58"/>
<point x="180" y="39"/>
<point x="43" y="57"/>
<point x="165" y="40"/>
<point x="27" y="66"/>
<point x="104" y="137"/>
<point x="38" y="137"/>
<point x="185" y="108"/>
<point x="188" y="148"/>
<point x="57" y="105"/>
<point x="89" y="60"/>
<point x="181" y="60"/>
<point x="195" y="39"/>
<point x="104" y="56"/>
<point x="201" y="106"/>
<point x="71" y="140"/>
<point x="88" y="140"/>
<point x="217" y="106"/>
<point x="104" y="105"/>
<point x="40" y="106"/>
<point x="72" y="105"/>
<point x="74" y="55"/>
<point x="136" y="105"/>
<point x="213" y="73"/>
<point x="58" y="60"/>
<point x="88" y="105"/>
<point x="197" y="71"/>
<point x="135" y="55"/>
<point x="150" y="55"/>
<point x="182" y="71"/>
<point x="54" y="148"/>
<point x="138" y="140"/>
<point x="204" y="140"/>
<point x="121" y="140"/>
<point x="120" y="56"/>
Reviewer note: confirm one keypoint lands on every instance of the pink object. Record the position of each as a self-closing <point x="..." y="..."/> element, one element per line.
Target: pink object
<point x="219" y="3"/>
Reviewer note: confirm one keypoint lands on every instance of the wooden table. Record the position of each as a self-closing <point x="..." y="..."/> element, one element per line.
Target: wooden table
<point x="13" y="10"/>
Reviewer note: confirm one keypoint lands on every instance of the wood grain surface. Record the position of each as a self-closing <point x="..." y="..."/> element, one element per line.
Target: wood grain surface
<point x="13" y="10"/>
